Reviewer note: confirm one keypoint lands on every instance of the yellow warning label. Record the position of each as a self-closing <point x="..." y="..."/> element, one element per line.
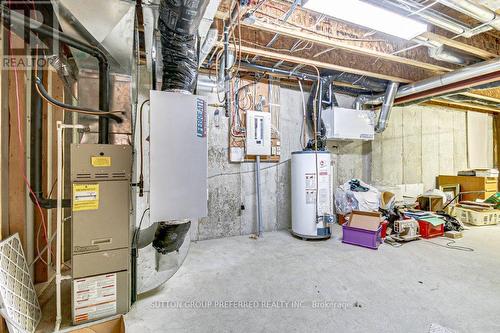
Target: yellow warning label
<point x="85" y="197"/>
<point x="101" y="161"/>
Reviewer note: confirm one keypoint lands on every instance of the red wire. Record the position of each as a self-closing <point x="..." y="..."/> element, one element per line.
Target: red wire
<point x="19" y="131"/>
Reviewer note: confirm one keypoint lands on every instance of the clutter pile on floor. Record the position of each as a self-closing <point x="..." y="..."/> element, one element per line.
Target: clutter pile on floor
<point x="370" y="217"/>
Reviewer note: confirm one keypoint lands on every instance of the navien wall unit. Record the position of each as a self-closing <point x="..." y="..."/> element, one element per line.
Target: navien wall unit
<point x="348" y="124"/>
<point x="258" y="138"/>
<point x="178" y="156"/>
<point x="101" y="230"/>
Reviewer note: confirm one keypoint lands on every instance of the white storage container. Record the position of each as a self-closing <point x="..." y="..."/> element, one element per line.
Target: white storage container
<point x="473" y="217"/>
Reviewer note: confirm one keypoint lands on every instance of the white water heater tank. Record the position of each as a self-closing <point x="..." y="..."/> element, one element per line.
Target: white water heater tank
<point x="312" y="197"/>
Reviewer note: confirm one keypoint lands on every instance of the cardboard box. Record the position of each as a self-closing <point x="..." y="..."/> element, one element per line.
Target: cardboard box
<point x="365" y="220"/>
<point x="431" y="203"/>
<point x="114" y="325"/>
<point x="453" y="234"/>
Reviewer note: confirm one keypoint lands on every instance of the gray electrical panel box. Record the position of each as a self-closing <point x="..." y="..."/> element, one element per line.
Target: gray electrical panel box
<point x="101" y="230"/>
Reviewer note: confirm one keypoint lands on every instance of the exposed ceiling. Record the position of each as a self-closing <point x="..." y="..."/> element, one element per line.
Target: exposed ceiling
<point x="491" y="4"/>
<point x="307" y="40"/>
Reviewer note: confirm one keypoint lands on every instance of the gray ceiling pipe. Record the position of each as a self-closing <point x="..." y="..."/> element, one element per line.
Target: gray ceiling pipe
<point x="463" y="74"/>
<point x="476" y="11"/>
<point x="385" y="111"/>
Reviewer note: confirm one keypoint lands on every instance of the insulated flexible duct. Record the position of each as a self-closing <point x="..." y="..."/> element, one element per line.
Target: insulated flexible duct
<point x="327" y="99"/>
<point x="178" y="25"/>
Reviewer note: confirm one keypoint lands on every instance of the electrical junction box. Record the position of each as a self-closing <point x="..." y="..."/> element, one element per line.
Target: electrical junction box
<point x="100" y="230"/>
<point x="348" y="124"/>
<point x="258" y="135"/>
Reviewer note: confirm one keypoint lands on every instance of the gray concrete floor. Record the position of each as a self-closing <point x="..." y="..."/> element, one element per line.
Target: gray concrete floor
<point x="403" y="289"/>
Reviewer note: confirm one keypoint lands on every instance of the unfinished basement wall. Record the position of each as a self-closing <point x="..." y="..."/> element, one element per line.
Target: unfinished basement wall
<point x="231" y="198"/>
<point x="420" y="143"/>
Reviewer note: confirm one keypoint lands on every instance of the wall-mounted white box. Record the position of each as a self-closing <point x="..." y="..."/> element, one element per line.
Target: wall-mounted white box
<point x="178" y="156"/>
<point x="258" y="134"/>
<point x="349" y="124"/>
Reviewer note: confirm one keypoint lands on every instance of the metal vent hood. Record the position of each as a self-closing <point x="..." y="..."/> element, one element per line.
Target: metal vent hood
<point x="111" y="27"/>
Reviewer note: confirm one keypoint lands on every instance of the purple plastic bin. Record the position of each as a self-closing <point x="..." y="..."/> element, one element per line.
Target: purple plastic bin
<point x="361" y="237"/>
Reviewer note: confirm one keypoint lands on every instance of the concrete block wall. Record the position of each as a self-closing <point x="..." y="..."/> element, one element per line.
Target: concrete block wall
<point x="420" y="143"/>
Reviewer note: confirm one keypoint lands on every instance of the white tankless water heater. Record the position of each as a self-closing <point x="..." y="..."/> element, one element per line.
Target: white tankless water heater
<point x="312" y="200"/>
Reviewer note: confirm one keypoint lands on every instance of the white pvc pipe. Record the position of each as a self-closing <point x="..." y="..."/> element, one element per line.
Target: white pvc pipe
<point x="49" y="172"/>
<point x="59" y="277"/>
<point x="59" y="225"/>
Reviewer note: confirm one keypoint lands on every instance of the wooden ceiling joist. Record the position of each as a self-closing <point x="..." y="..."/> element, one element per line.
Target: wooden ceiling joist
<point x="483" y="97"/>
<point x="463" y="106"/>
<point x="314" y="63"/>
<point x="493" y="92"/>
<point x="324" y="41"/>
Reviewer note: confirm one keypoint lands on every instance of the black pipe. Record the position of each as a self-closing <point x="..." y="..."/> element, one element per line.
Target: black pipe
<point x="103" y="101"/>
<point x="94" y="51"/>
<point x="154" y="54"/>
<point x="44" y="94"/>
<point x="36" y="134"/>
<point x="133" y="274"/>
<point x="319" y="109"/>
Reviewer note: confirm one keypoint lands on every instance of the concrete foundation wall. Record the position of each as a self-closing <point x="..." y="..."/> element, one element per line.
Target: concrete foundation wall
<point x="419" y="144"/>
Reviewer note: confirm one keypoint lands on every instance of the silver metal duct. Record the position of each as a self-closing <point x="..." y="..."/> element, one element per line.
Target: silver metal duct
<point x="442" y="52"/>
<point x="385" y="111"/>
<point x="479" y="12"/>
<point x="387" y="101"/>
<point x="362" y="100"/>
<point x="463" y="74"/>
<point x="480" y="69"/>
<point x="111" y="27"/>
